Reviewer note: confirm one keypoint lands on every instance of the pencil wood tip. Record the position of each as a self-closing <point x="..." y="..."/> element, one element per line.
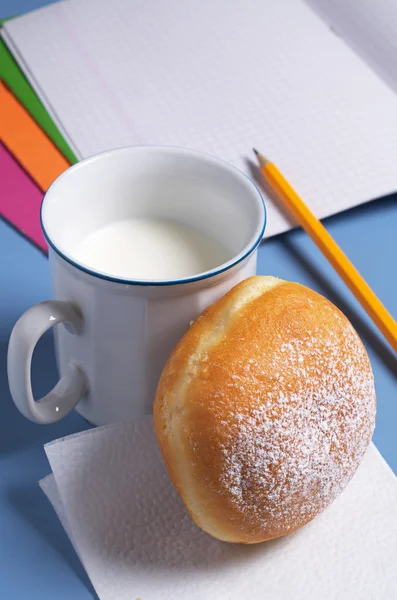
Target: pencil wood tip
<point x="261" y="159"/>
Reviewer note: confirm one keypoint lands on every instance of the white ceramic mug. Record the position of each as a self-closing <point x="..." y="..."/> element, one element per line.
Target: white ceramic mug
<point x="117" y="334"/>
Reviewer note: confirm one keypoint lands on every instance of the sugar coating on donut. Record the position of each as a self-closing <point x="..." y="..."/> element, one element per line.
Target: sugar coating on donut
<point x="300" y="446"/>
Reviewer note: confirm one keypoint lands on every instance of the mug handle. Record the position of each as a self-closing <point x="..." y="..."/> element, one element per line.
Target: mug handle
<point x="24" y="337"/>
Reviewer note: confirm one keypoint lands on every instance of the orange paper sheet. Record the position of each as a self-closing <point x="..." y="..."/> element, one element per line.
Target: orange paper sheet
<point x="27" y="142"/>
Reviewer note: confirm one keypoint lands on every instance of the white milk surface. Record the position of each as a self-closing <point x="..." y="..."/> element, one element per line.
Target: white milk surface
<point x="150" y="249"/>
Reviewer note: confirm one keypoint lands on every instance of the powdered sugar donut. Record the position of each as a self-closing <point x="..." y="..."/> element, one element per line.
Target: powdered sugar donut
<point x="264" y="410"/>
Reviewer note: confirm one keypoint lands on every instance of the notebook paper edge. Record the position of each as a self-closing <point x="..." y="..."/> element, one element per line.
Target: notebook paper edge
<point x="19" y="58"/>
<point x="15" y="79"/>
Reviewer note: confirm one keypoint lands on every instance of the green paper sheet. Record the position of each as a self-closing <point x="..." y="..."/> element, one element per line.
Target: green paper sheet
<point x="13" y="77"/>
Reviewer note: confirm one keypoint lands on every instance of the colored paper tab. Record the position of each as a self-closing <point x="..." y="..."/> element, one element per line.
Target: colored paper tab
<point x="20" y="199"/>
<point x="28" y="143"/>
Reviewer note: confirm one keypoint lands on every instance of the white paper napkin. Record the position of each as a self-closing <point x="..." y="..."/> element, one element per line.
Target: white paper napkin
<point x="111" y="491"/>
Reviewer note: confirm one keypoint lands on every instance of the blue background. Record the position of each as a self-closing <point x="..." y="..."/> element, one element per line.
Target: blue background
<point x="12" y="8"/>
<point x="37" y="560"/>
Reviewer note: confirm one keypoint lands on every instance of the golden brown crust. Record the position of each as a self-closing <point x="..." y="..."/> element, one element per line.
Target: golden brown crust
<point x="264" y="410"/>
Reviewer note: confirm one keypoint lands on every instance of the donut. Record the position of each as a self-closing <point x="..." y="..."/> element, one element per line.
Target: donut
<point x="264" y="410"/>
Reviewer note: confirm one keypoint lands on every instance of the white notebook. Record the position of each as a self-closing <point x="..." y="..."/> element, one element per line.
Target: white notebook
<point x="226" y="75"/>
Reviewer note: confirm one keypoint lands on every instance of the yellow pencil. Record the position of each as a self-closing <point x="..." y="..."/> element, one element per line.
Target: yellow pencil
<point x="338" y="259"/>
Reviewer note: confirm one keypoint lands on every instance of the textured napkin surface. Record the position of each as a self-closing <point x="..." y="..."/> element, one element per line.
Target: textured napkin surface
<point x="111" y="491"/>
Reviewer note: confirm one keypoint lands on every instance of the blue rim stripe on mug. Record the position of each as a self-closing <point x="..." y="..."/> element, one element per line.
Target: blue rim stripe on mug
<point x="167" y="282"/>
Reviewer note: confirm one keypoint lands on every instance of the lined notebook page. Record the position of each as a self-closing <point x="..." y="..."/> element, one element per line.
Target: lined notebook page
<point x="369" y="27"/>
<point x="219" y="77"/>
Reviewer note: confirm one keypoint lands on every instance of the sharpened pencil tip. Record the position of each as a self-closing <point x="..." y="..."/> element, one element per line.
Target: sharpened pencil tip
<point x="261" y="159"/>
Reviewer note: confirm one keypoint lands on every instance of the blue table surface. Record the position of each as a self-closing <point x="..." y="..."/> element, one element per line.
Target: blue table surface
<point x="37" y="561"/>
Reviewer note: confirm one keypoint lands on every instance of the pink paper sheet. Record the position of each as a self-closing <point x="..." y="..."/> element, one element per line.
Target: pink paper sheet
<point x="20" y="199"/>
